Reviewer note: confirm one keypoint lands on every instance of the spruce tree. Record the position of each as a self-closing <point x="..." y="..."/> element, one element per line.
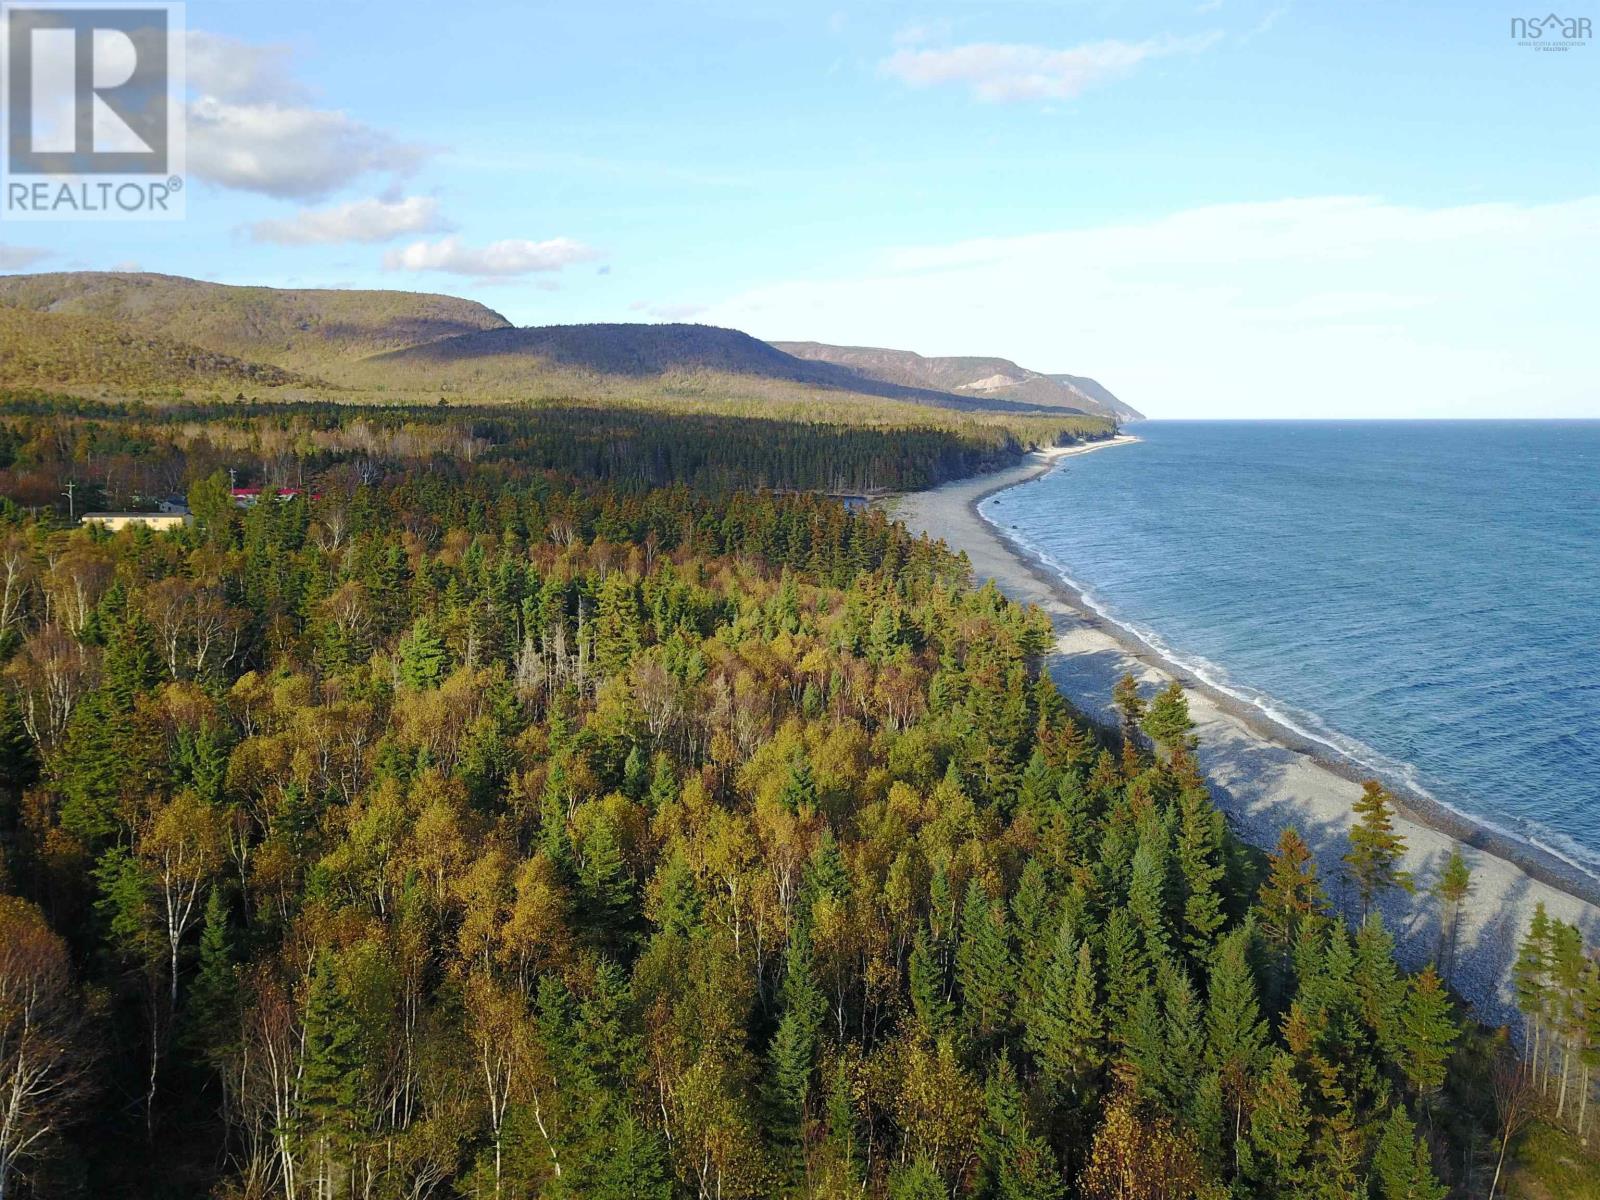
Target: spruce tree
<point x="1167" y="720"/>
<point x="616" y="624"/>
<point x="1017" y="1164"/>
<point x="929" y="1000"/>
<point x="423" y="658"/>
<point x="1452" y="890"/>
<point x="917" y="1180"/>
<point x="790" y="1060"/>
<point x="985" y="970"/>
<point x="1428" y="1031"/>
<point x="799" y="792"/>
<point x="1184" y="1038"/>
<point x="1279" y="1132"/>
<point x="210" y="1022"/>
<point x="131" y="667"/>
<point x="1200" y="865"/>
<point x="631" y="1165"/>
<point x="1130" y="708"/>
<point x="1401" y="1163"/>
<point x="330" y="1090"/>
<point x="1030" y="915"/>
<point x="1530" y="977"/>
<point x="1064" y="1029"/>
<point x="663" y="784"/>
<point x="635" y="773"/>
<point x="1288" y="897"/>
<point x="19" y="762"/>
<point x="1148" y="889"/>
<point x="1127" y="970"/>
<point x="92" y="767"/>
<point x="1236" y="1036"/>
<point x="608" y="886"/>
<point x="1372" y="862"/>
<point x="844" y="1132"/>
<point x="1142" y="1065"/>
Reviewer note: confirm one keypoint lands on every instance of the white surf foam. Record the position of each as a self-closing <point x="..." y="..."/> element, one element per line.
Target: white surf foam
<point x="1301" y="722"/>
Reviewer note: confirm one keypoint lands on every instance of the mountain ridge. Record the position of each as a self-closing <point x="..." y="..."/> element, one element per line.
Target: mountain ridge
<point x="994" y="377"/>
<point x="76" y="327"/>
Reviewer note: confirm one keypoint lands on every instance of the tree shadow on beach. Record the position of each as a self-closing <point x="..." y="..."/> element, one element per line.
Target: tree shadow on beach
<point x="1252" y="779"/>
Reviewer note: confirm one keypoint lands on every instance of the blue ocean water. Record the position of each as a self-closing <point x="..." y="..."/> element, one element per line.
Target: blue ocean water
<point x="1422" y="596"/>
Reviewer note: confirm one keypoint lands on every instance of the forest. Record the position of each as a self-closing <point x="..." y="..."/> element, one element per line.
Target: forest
<point x="571" y="802"/>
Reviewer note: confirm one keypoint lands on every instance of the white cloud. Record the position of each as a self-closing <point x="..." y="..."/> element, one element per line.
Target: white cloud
<point x="504" y="259"/>
<point x="253" y="127"/>
<point x="18" y="258"/>
<point x="1321" y="306"/>
<point x="229" y="69"/>
<point x="1000" y="72"/>
<point x="289" y="152"/>
<point x="373" y="220"/>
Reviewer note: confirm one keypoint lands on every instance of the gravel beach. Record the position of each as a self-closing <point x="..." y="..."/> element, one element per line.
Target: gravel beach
<point x="1265" y="776"/>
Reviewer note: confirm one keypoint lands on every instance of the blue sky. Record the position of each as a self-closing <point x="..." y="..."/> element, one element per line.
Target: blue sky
<point x="1218" y="208"/>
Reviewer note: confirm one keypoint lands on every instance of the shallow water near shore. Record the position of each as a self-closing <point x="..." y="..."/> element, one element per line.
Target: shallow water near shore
<point x="1419" y="596"/>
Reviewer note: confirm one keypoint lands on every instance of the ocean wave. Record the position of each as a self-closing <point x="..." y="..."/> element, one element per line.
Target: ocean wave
<point x="1302" y="722"/>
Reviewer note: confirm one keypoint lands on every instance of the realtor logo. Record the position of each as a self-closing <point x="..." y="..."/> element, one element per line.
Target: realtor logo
<point x="1551" y="32"/>
<point x="93" y="111"/>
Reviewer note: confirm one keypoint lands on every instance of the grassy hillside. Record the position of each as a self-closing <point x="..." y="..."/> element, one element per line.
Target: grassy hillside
<point x="580" y="359"/>
<point x="141" y="332"/>
<point x="300" y="329"/>
<point x="1096" y="390"/>
<point x="49" y="349"/>
<point x="991" y="379"/>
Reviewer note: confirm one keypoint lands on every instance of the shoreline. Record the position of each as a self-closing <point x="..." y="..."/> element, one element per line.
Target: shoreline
<point x="1264" y="774"/>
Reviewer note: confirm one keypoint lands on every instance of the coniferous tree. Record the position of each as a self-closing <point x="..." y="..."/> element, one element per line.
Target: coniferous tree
<point x="1372" y="862"/>
<point x="423" y="657"/>
<point x="1273" y="1154"/>
<point x="1427" y="1033"/>
<point x="1199" y="856"/>
<point x="1017" y="1164"/>
<point x="213" y="1000"/>
<point x="131" y="667"/>
<point x="1130" y="708"/>
<point x="608" y="886"/>
<point x="917" y="1180"/>
<point x="93" y="770"/>
<point x="1530" y="977"/>
<point x="844" y="1131"/>
<point x="793" y="1052"/>
<point x="631" y="1166"/>
<point x="1379" y="989"/>
<point x="1183" y="1036"/>
<point x="1127" y="970"/>
<point x="1167" y="720"/>
<point x="1236" y="1036"/>
<point x="1401" y="1163"/>
<point x="1064" y="1028"/>
<point x="1148" y="890"/>
<point x="929" y="999"/>
<point x="985" y="969"/>
<point x="19" y="762"/>
<point x="1452" y="890"/>
<point x="330" y="1090"/>
<point x="663" y="783"/>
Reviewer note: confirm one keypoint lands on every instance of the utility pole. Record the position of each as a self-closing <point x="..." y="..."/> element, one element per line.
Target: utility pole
<point x="72" y="511"/>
